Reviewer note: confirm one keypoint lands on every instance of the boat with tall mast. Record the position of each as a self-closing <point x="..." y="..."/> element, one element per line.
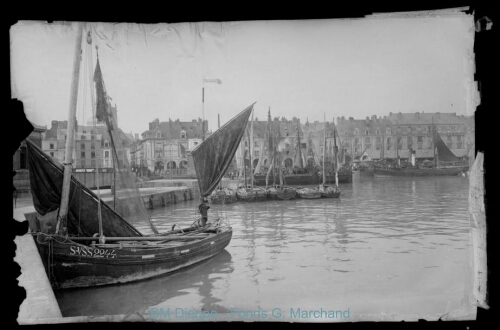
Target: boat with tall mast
<point x="445" y="163"/>
<point x="251" y="193"/>
<point x="85" y="242"/>
<point x="327" y="191"/>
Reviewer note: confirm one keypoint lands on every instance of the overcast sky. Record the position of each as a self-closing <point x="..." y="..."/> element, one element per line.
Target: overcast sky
<point x="341" y="67"/>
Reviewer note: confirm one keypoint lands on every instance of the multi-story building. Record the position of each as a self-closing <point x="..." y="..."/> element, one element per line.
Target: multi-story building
<point x="373" y="138"/>
<point x="166" y="146"/>
<point x="398" y="134"/>
<point x="92" y="145"/>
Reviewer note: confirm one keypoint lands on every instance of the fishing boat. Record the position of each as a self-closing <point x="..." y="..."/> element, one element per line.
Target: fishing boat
<point x="327" y="191"/>
<point x="302" y="176"/>
<point x="223" y="196"/>
<point x="286" y="193"/>
<point x="445" y="163"/>
<point x="276" y="191"/>
<point x="308" y="193"/>
<point x="84" y="242"/>
<point x="251" y="194"/>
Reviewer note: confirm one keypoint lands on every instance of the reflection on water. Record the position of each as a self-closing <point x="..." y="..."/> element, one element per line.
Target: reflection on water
<point x="397" y="246"/>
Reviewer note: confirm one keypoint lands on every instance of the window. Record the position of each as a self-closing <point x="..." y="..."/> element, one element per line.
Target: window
<point x="83" y="137"/>
<point x="106" y="143"/>
<point x="92" y="154"/>
<point x="106" y="154"/>
<point x="256" y="153"/>
<point x="92" y="145"/>
<point x="51" y="154"/>
<point x="256" y="143"/>
<point x="379" y="139"/>
<point x="459" y="139"/>
<point x="196" y="143"/>
<point x="82" y="154"/>
<point x="448" y="138"/>
<point x="246" y="143"/>
<point x="82" y="146"/>
<point x="367" y="140"/>
<point x="366" y="132"/>
<point x="51" y="146"/>
<point x="356" y="141"/>
<point x="82" y="163"/>
<point x="378" y="131"/>
<point x="92" y="137"/>
<point x="92" y="163"/>
<point x="420" y="139"/>
<point x="356" y="132"/>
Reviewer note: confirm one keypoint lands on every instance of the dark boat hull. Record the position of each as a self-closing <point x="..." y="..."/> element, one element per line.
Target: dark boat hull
<point x="223" y="197"/>
<point x="304" y="179"/>
<point x="447" y="171"/>
<point x="286" y="193"/>
<point x="251" y="194"/>
<point x="78" y="265"/>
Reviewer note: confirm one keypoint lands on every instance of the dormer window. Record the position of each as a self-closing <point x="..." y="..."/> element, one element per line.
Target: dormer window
<point x="356" y="131"/>
<point x="378" y="131"/>
<point x="158" y="134"/>
<point x="366" y="132"/>
<point x="183" y="134"/>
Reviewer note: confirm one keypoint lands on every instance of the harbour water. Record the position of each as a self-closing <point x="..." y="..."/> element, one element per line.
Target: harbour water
<point x="389" y="248"/>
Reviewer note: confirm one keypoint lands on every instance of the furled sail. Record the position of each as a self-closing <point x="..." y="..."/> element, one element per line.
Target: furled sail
<point x="46" y="177"/>
<point x="444" y="153"/>
<point x="213" y="156"/>
<point x="127" y="196"/>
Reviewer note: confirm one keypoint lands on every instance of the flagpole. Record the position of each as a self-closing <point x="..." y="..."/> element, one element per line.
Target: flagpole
<point x="203" y="111"/>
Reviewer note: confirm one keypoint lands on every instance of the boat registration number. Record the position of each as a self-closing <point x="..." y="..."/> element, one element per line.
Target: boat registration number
<point x="92" y="252"/>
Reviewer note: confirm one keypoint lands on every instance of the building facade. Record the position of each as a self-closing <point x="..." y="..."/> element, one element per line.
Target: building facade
<point x="393" y="136"/>
<point x="165" y="147"/>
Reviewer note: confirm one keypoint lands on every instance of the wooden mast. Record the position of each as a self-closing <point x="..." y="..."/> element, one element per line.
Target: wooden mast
<point x="434" y="143"/>
<point x="63" y="208"/>
<point x="251" y="152"/>
<point x="324" y="153"/>
<point x="335" y="155"/>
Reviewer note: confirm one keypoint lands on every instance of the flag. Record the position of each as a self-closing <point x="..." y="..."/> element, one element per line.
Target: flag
<point x="217" y="81"/>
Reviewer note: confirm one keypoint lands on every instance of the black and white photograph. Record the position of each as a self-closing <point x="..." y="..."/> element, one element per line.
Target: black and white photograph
<point x="290" y="170"/>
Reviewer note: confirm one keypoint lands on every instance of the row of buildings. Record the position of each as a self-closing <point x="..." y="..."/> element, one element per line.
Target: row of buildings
<point x="165" y="146"/>
<point x="392" y="136"/>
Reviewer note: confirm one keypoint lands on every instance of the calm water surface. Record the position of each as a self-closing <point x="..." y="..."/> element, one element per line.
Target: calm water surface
<point x="388" y="247"/>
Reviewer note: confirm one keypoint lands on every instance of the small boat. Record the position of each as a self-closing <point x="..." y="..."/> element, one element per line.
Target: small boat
<point x="328" y="191"/>
<point x="308" y="193"/>
<point x="249" y="194"/>
<point x="272" y="192"/>
<point x="223" y="196"/>
<point x="324" y="190"/>
<point x="286" y="193"/>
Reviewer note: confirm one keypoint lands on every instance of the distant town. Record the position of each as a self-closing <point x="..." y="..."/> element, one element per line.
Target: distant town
<point x="164" y="147"/>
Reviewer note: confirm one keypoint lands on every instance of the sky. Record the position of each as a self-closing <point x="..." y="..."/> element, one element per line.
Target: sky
<point x="303" y="68"/>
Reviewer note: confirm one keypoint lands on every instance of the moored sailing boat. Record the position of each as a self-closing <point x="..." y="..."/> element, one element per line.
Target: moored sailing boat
<point x="445" y="163"/>
<point x="91" y="243"/>
<point x="327" y="191"/>
<point x="251" y="193"/>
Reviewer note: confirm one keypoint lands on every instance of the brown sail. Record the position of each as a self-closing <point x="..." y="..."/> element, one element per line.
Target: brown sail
<point x="46" y="177"/>
<point x="213" y="156"/>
